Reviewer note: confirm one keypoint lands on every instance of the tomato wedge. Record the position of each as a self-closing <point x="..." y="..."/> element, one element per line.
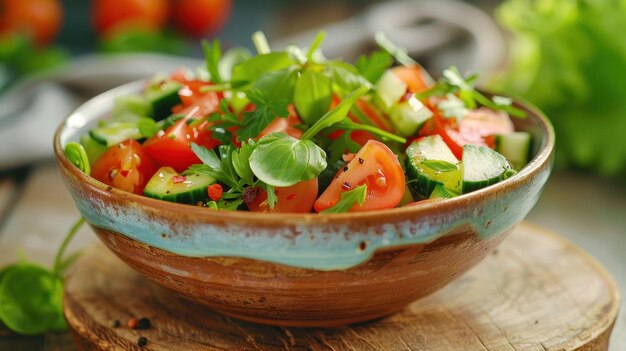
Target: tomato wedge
<point x="125" y="166"/>
<point x="374" y="165"/>
<point x="298" y="198"/>
<point x="475" y="128"/>
<point x="172" y="147"/>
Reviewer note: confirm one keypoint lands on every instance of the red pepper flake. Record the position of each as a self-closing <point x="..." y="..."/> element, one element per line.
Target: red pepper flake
<point x="291" y="197"/>
<point x="215" y="191"/>
<point x="348" y="157"/>
<point x="178" y="179"/>
<point x="124" y="172"/>
<point x="361" y="161"/>
<point x="346" y="186"/>
<point x="132" y="323"/>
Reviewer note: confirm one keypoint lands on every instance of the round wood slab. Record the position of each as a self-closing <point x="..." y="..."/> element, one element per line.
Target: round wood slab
<point x="535" y="292"/>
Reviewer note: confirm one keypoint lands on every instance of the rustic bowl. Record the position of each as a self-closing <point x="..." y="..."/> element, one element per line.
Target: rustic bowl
<point x="305" y="270"/>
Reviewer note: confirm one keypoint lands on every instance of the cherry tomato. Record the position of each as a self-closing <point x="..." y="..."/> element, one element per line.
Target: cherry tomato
<point x="298" y="198"/>
<point x="125" y="166"/>
<point x="201" y="18"/>
<point x="374" y="165"/>
<point x="475" y="128"/>
<point x="172" y="147"/>
<point x="40" y="19"/>
<point x="111" y="15"/>
<point x="412" y="76"/>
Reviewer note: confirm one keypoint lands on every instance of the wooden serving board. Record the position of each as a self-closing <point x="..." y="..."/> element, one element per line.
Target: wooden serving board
<point x="536" y="292"/>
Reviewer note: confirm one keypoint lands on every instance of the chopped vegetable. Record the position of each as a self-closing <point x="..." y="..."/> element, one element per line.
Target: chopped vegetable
<point x="289" y="131"/>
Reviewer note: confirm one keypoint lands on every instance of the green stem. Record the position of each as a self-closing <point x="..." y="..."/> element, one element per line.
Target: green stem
<point x="260" y="43"/>
<point x="58" y="260"/>
<point x="401" y="56"/>
<point x="375" y="131"/>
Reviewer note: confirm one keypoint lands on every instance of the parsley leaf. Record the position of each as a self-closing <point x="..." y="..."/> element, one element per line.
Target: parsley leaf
<point x="372" y="67"/>
<point x="348" y="200"/>
<point x="213" y="55"/>
<point x="225" y="205"/>
<point x="266" y="111"/>
<point x="220" y="168"/>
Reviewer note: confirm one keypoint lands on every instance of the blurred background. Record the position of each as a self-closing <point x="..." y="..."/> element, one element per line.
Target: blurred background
<point x="566" y="56"/>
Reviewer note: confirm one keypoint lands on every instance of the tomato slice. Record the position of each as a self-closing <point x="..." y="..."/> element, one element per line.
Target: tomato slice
<point x="374" y="165"/>
<point x="284" y="125"/>
<point x="475" y="128"/>
<point x="412" y="76"/>
<point x="125" y="166"/>
<point x="298" y="198"/>
<point x="172" y="147"/>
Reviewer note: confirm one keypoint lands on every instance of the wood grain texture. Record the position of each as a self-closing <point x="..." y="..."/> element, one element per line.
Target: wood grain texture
<point x="536" y="292"/>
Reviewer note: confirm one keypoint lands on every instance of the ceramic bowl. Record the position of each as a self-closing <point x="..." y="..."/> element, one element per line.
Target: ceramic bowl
<point x="305" y="270"/>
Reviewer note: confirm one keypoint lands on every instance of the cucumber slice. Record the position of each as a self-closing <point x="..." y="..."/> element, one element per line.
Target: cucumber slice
<point x="408" y="116"/>
<point x="482" y="167"/>
<point x="389" y="90"/>
<point x="113" y="133"/>
<point x="515" y="147"/>
<point x="130" y="108"/>
<point x="440" y="192"/>
<point x="189" y="189"/>
<point x="93" y="148"/>
<point x="426" y="178"/>
<point x="161" y="96"/>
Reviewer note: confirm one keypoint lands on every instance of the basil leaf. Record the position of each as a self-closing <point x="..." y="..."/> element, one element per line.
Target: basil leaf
<point x="77" y="155"/>
<point x="250" y="70"/>
<point x="213" y="55"/>
<point x="319" y="38"/>
<point x="277" y="85"/>
<point x="232" y="58"/>
<point x="313" y="95"/>
<point x="346" y="77"/>
<point x="31" y="298"/>
<point x="348" y="200"/>
<point x="372" y="67"/>
<point x="280" y="160"/>
<point x="337" y="114"/>
<point x="440" y="166"/>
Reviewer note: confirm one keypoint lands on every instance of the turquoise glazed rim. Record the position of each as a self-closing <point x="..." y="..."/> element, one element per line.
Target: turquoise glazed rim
<point x="311" y="241"/>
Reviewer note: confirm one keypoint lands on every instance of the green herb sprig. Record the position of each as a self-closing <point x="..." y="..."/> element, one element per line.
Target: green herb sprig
<point x="348" y="199"/>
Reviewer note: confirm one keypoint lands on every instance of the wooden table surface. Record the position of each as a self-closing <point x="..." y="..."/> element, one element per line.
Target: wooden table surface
<point x="36" y="211"/>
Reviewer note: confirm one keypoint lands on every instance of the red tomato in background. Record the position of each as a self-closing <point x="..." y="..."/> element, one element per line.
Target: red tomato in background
<point x="109" y="15"/>
<point x="298" y="198"/>
<point x="374" y="165"/>
<point x="40" y="19"/>
<point x="172" y="147"/>
<point x="201" y="18"/>
<point x="125" y="166"/>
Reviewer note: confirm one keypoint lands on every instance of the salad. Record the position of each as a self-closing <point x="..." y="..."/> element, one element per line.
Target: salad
<point x="292" y="131"/>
